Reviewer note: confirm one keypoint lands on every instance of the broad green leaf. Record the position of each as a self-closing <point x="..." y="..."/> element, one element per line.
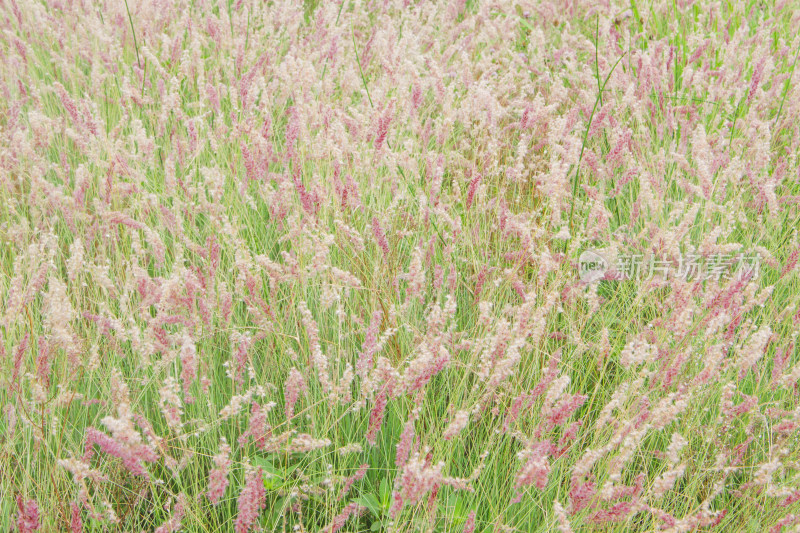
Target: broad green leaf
<point x="386" y="493"/>
<point x="370" y="502"/>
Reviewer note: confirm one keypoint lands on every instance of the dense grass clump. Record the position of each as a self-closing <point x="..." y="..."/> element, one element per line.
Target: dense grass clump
<point x="276" y="266"/>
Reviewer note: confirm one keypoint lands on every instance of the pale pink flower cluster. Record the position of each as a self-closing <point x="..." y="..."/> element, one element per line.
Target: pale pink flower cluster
<point x="125" y="442"/>
<point x="218" y="476"/>
<point x="294" y="387"/>
<point x="28" y="515"/>
<point x="251" y="501"/>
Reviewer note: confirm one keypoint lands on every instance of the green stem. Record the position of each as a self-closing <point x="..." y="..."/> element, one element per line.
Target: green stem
<point x="135" y="45"/>
<point x="583" y="144"/>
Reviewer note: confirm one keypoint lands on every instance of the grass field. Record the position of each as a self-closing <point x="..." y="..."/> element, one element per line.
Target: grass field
<point x="274" y="266"/>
